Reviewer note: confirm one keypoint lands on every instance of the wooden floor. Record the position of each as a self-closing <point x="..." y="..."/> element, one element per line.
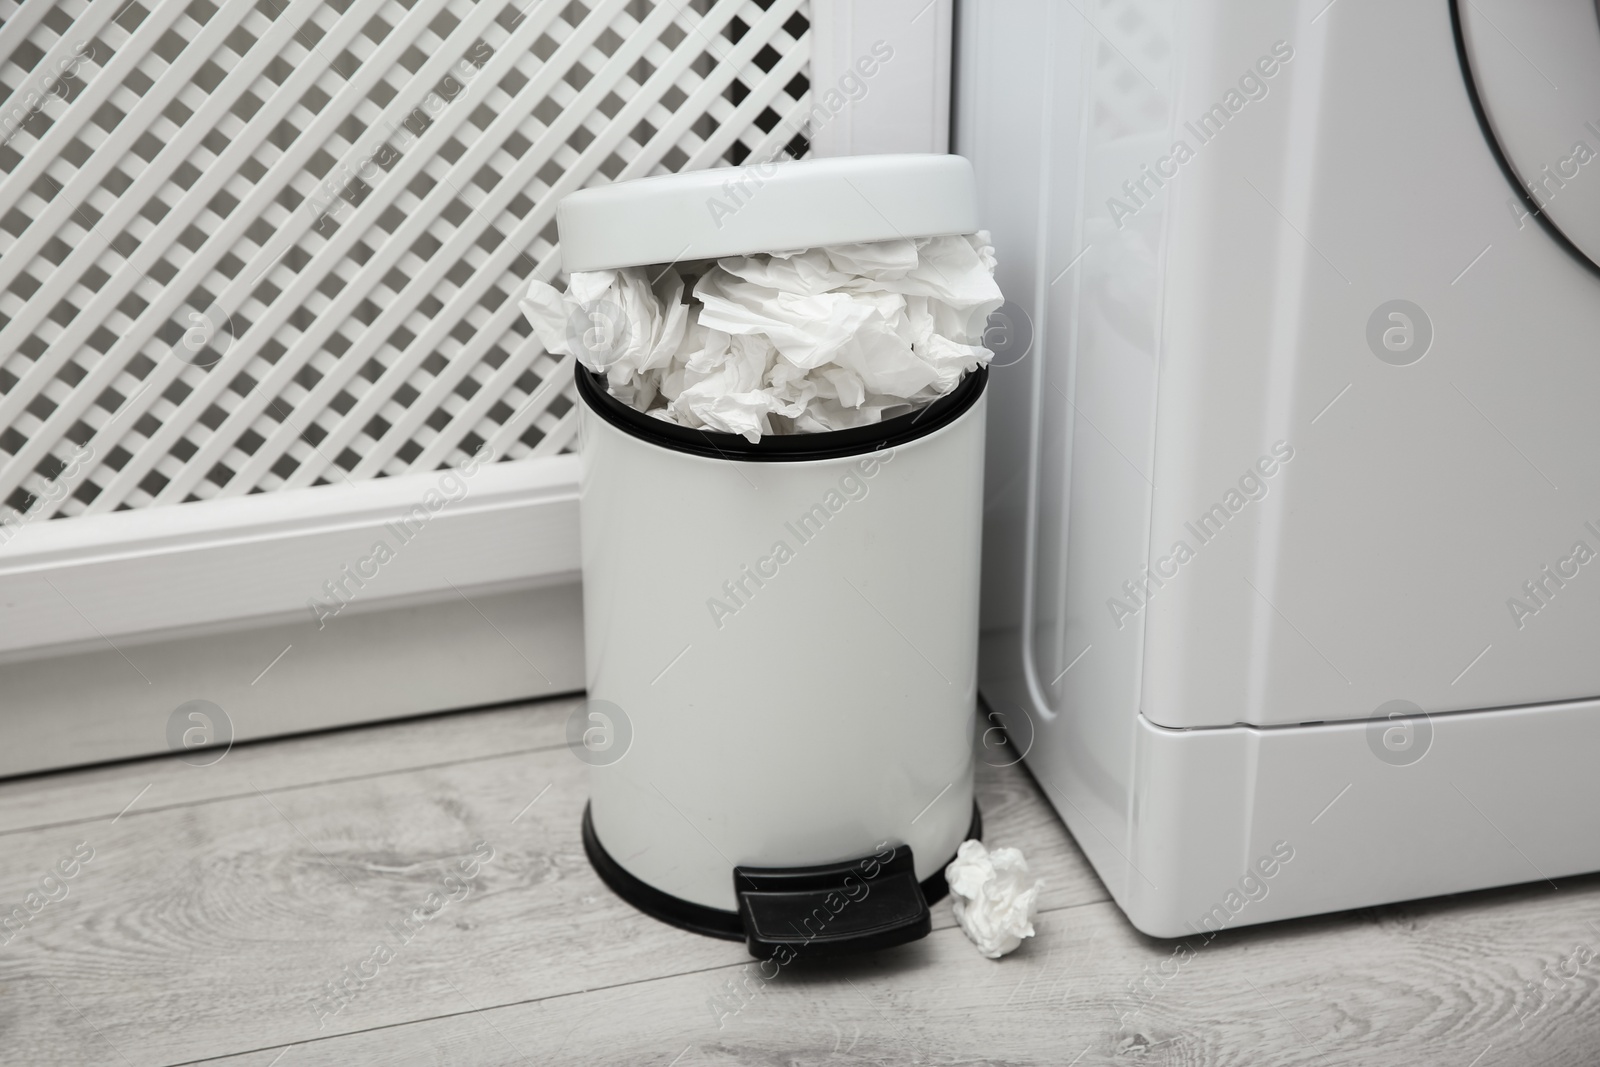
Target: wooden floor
<point x="223" y="904"/>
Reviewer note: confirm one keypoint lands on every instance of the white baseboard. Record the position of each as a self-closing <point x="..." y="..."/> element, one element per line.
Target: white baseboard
<point x="77" y="584"/>
<point x="109" y="623"/>
<point x="483" y="647"/>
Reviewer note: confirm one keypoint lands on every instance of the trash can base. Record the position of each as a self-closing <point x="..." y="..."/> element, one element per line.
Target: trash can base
<point x="713" y="922"/>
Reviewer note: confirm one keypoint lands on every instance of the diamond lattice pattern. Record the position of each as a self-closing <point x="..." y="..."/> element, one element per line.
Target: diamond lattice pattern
<point x="252" y="245"/>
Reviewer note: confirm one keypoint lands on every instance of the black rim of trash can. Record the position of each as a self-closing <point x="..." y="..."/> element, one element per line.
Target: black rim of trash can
<point x="779" y="448"/>
<point x="714" y="922"/>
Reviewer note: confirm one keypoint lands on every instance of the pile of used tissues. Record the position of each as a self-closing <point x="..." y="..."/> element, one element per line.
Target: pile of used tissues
<point x="992" y="897"/>
<point x="787" y="342"/>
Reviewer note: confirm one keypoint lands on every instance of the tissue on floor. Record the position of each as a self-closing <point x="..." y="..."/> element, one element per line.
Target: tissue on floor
<point x="992" y="897"/>
<point x="787" y="342"/>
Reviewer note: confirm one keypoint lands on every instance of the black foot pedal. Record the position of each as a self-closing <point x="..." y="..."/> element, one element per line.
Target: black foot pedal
<point x="834" y="909"/>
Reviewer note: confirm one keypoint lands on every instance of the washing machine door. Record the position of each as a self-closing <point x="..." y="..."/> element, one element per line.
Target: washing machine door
<point x="1535" y="71"/>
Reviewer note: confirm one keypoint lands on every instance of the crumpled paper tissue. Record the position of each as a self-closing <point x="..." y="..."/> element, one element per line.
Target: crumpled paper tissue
<point x="787" y="342"/>
<point x="991" y="897"/>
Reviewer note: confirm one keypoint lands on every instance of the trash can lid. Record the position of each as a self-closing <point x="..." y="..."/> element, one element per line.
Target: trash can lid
<point x="766" y="207"/>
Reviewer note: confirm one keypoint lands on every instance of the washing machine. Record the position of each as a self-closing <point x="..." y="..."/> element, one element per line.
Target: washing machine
<point x="1291" y="591"/>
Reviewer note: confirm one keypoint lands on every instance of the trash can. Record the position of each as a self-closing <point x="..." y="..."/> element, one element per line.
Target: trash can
<point x="786" y="629"/>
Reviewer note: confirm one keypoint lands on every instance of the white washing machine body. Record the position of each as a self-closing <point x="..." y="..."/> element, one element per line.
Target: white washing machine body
<point x="1292" y="529"/>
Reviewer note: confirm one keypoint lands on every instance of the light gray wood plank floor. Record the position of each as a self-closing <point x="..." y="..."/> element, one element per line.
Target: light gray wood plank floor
<point x="221" y="902"/>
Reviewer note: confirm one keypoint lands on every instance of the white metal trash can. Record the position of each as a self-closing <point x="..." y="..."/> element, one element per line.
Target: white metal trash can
<point x="786" y="629"/>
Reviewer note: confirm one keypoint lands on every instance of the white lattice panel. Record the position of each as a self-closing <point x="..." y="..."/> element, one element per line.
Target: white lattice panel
<point x="249" y="245"/>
